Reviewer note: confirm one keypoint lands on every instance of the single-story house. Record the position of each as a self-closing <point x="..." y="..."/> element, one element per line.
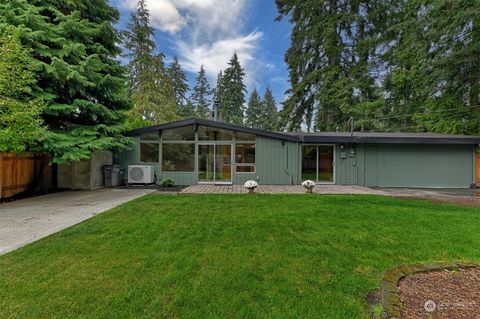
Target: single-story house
<point x="196" y="151"/>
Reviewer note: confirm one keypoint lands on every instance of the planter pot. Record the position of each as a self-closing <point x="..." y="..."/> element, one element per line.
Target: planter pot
<point x="251" y="190"/>
<point x="309" y="190"/>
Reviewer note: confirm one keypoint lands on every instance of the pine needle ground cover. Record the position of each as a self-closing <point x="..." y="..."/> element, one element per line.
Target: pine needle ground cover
<point x="223" y="256"/>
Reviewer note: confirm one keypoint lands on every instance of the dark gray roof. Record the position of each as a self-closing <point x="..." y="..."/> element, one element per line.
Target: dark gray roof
<point x="217" y="124"/>
<point x="386" y="138"/>
<point x="325" y="137"/>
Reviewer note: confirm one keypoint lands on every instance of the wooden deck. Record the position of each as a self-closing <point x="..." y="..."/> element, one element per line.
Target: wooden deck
<point x="279" y="189"/>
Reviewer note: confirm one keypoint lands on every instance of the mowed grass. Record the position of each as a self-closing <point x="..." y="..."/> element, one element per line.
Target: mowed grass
<point x="232" y="256"/>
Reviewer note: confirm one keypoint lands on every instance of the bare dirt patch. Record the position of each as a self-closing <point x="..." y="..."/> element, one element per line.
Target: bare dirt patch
<point x="455" y="294"/>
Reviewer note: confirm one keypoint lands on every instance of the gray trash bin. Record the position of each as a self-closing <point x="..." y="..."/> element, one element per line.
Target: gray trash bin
<point x="112" y="175"/>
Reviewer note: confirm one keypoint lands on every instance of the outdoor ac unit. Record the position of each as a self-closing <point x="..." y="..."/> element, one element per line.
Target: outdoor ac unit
<point x="141" y="174"/>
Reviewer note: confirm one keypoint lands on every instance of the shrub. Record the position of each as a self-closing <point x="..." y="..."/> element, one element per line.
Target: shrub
<point x="168" y="182"/>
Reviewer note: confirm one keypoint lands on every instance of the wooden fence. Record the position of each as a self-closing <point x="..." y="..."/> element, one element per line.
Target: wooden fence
<point x="477" y="169"/>
<point x="27" y="172"/>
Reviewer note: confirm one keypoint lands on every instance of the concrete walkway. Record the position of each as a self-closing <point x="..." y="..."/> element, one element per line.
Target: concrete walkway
<point x="26" y="220"/>
<point x="279" y="189"/>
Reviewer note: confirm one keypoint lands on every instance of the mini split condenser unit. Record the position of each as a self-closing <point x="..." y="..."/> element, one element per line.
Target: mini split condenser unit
<point x="141" y="174"/>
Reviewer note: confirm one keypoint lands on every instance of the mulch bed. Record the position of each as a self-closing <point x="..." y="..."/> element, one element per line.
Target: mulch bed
<point x="456" y="294"/>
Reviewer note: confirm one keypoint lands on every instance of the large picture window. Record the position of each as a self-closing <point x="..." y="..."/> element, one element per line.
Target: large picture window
<point x="206" y="133"/>
<point x="149" y="147"/>
<point x="149" y="152"/>
<point x="245" y="158"/>
<point x="178" y="157"/>
<point x="185" y="133"/>
<point x="245" y="137"/>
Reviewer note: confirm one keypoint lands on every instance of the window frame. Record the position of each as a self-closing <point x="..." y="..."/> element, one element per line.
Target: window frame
<point x="179" y="142"/>
<point x="199" y="140"/>
<point x="254" y="165"/>
<point x="192" y="127"/>
<point x="148" y="141"/>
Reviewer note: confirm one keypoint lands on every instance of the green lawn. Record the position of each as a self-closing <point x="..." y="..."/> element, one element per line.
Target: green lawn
<point x="221" y="256"/>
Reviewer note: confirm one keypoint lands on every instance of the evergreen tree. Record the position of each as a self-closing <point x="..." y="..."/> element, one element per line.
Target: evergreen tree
<point x="219" y="88"/>
<point x="154" y="101"/>
<point x="434" y="78"/>
<point x="201" y="96"/>
<point x="254" y="111"/>
<point x="20" y="122"/>
<point x="187" y="110"/>
<point x="328" y="61"/>
<point x="150" y="88"/>
<point x="232" y="93"/>
<point x="75" y="58"/>
<point x="269" y="117"/>
<point x="140" y="45"/>
<point x="179" y="81"/>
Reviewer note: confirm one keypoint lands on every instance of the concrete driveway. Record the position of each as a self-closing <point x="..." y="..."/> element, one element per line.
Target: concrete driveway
<point x="27" y="220"/>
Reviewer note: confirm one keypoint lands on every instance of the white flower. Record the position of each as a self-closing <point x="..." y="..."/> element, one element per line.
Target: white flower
<point x="250" y="185"/>
<point x="308" y="184"/>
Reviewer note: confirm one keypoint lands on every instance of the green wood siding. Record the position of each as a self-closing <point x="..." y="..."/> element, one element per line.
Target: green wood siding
<point x="419" y="165"/>
<point x="277" y="162"/>
<point x="406" y="165"/>
<point x="348" y="166"/>
<point x="380" y="165"/>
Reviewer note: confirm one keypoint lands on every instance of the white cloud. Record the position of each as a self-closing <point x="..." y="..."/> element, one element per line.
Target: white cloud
<point x="215" y="56"/>
<point x="164" y="15"/>
<point x="211" y="16"/>
<point x="212" y="30"/>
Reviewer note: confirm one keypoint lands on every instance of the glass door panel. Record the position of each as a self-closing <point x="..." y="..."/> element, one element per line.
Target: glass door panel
<point x="206" y="163"/>
<point x="215" y="163"/>
<point x="317" y="163"/>
<point x="309" y="162"/>
<point x="223" y="160"/>
<point x="325" y="163"/>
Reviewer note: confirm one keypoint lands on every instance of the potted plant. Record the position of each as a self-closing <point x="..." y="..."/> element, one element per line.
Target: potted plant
<point x="250" y="185"/>
<point x="308" y="185"/>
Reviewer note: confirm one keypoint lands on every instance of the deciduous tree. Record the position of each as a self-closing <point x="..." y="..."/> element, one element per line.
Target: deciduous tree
<point x="21" y="126"/>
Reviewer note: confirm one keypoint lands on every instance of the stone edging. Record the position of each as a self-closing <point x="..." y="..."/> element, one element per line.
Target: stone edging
<point x="389" y="285"/>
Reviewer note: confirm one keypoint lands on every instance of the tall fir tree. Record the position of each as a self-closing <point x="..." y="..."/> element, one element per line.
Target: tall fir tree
<point x="218" y="91"/>
<point x="138" y="40"/>
<point x="433" y="83"/>
<point x="254" y="111"/>
<point x="187" y="110"/>
<point x="21" y="127"/>
<point x="328" y="61"/>
<point x="201" y="95"/>
<point x="269" y="117"/>
<point x="150" y="88"/>
<point x="75" y="56"/>
<point x="179" y="81"/>
<point x="233" y="91"/>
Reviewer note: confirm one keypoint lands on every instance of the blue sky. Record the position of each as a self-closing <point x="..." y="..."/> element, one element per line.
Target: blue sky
<point x="208" y="32"/>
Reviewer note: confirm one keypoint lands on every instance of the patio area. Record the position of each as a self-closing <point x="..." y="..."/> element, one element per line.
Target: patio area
<point x="280" y="189"/>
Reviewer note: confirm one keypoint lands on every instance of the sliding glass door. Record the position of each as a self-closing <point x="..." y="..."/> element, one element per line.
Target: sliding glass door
<point x="318" y="163"/>
<point x="215" y="163"/>
<point x="206" y="167"/>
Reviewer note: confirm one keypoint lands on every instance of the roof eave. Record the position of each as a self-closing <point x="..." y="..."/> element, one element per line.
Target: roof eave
<point x="216" y="124"/>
